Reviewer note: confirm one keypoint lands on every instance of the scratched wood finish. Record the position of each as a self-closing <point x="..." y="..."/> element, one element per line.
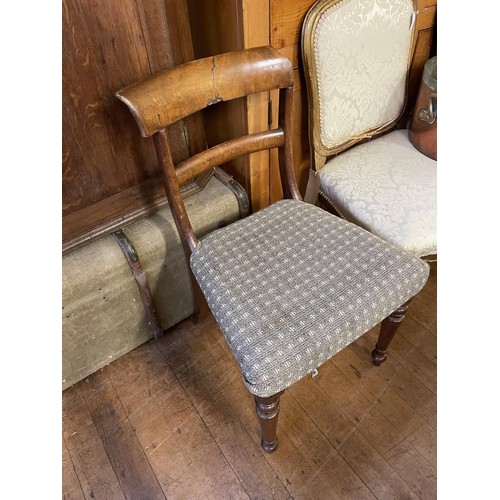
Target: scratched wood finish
<point x="286" y="21"/>
<point x="198" y="84"/>
<point x="87" y="458"/>
<point x="106" y="47"/>
<point x="354" y="431"/>
<point x="98" y="57"/>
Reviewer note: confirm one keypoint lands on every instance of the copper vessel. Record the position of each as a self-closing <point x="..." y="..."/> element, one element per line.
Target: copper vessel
<point x="423" y="126"/>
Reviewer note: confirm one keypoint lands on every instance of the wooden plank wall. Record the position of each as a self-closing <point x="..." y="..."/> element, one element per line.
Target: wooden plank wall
<point x="107" y="46"/>
<point x="286" y="25"/>
<point x="227" y="120"/>
<point x="255" y="34"/>
<point x="108" y="170"/>
<point x="220" y="26"/>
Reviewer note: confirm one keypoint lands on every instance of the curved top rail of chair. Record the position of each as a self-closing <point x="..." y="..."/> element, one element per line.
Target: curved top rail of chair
<point x="177" y="92"/>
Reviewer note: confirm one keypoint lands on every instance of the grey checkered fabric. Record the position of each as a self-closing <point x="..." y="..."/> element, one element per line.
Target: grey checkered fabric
<point x="291" y="285"/>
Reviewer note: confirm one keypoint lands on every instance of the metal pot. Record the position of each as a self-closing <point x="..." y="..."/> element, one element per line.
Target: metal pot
<point x="423" y="126"/>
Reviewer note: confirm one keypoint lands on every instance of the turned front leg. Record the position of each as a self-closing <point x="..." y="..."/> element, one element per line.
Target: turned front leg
<point x="267" y="410"/>
<point x="388" y="329"/>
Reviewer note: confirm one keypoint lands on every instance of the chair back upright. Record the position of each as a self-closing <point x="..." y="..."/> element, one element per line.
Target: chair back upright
<point x="356" y="56"/>
<point x="175" y="93"/>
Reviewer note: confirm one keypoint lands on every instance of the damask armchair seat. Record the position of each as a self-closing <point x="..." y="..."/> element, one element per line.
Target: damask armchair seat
<point x="368" y="185"/>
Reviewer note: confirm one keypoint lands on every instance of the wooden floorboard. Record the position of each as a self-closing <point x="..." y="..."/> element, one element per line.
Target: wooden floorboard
<point x="235" y="443"/>
<point x="176" y="439"/>
<point x="72" y="488"/>
<point x="118" y="437"/>
<point x="89" y="459"/>
<point x="173" y="419"/>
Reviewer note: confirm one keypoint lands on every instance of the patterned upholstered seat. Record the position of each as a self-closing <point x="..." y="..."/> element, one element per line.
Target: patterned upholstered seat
<point x="291" y="285"/>
<point x="369" y="185"/>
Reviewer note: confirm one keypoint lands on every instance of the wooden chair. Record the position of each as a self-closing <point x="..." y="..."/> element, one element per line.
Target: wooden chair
<point x="356" y="57"/>
<point x="291" y="284"/>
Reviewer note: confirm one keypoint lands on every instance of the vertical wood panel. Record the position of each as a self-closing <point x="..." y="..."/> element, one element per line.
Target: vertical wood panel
<point x="108" y="45"/>
<point x="286" y="21"/>
<point x="255" y="34"/>
<point x="168" y="41"/>
<point x="156" y="34"/>
<point x="103" y="50"/>
<point x="221" y="26"/>
<point x="286" y="24"/>
<point x="192" y="127"/>
<point x="217" y="27"/>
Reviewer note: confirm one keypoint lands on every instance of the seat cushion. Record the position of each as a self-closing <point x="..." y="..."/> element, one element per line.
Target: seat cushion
<point x="291" y="285"/>
<point x="389" y="188"/>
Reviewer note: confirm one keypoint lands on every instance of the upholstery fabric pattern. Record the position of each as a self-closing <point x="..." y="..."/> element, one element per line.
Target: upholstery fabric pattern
<point x="361" y="51"/>
<point x="291" y="285"/>
<point x="389" y="188"/>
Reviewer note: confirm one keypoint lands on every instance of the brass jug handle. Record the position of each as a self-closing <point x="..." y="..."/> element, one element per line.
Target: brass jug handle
<point x="429" y="115"/>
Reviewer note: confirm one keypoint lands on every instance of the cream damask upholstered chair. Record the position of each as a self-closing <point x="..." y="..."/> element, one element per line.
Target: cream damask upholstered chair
<point x="291" y="284"/>
<point x="356" y="56"/>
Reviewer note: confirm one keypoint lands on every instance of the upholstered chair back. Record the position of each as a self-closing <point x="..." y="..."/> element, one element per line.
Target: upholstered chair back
<point x="357" y="53"/>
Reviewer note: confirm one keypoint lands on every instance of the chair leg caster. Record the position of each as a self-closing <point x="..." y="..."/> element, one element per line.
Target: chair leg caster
<point x="378" y="356"/>
<point x="269" y="447"/>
